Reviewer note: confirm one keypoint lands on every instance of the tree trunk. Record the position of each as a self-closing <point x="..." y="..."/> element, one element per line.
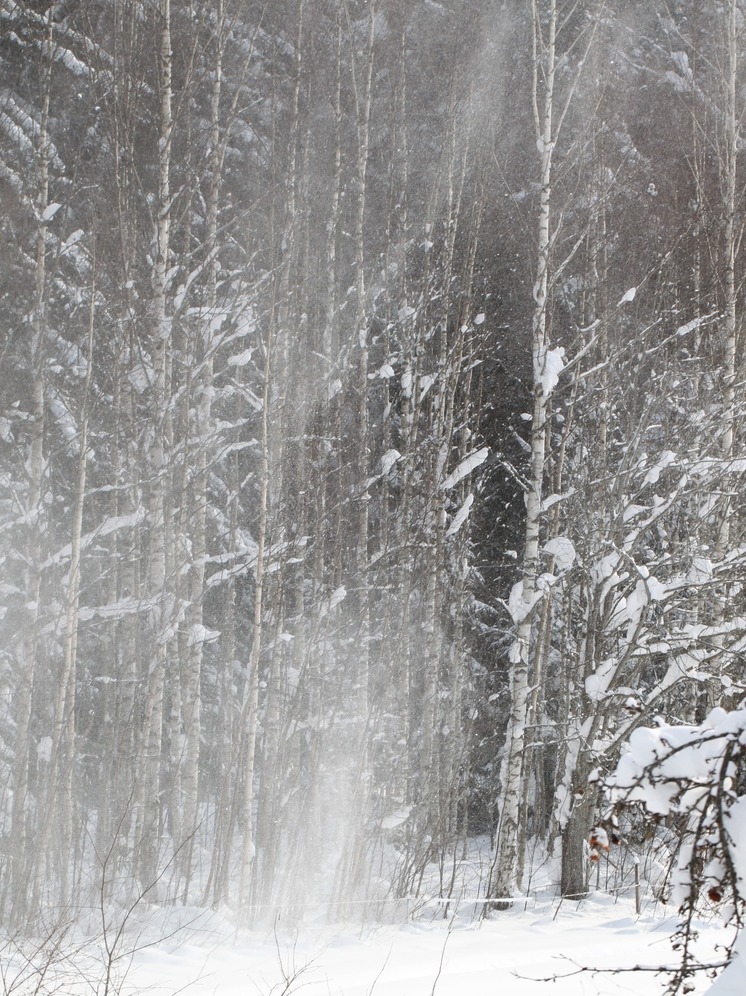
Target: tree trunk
<point x="521" y="655"/>
<point x="575" y="865"/>
<point x="24" y="858"/>
<point x="148" y="808"/>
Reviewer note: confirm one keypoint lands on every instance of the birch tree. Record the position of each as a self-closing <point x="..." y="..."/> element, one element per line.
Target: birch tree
<point x="148" y="789"/>
<point x="29" y="665"/>
<point x="547" y="364"/>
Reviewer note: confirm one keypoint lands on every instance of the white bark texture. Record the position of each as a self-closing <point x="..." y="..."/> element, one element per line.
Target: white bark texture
<point x="506" y="858"/>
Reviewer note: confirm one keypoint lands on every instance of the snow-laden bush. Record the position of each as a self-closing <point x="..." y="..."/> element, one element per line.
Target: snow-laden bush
<point x="693" y="777"/>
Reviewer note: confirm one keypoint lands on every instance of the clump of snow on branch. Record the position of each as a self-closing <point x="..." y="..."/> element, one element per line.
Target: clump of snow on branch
<point x="201" y="634"/>
<point x="518" y="606"/>
<point x="389" y="458"/>
<point x="693" y="771"/>
<point x="561" y="549"/>
<point x="336" y="598"/>
<point x="666" y="458"/>
<point x="50" y="211"/>
<point x="549" y="365"/>
<point x="461" y="516"/>
<point x="467" y="465"/>
<point x="597" y="683"/>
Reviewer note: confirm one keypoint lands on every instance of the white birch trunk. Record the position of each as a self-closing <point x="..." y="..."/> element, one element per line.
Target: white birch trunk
<point x="506" y="858"/>
<point x="147" y="813"/>
<point x="20" y="821"/>
<point x="57" y="811"/>
<point x="250" y="708"/>
<point x="363" y="108"/>
<point x="349" y="868"/>
<point x="731" y="239"/>
<point x="191" y="702"/>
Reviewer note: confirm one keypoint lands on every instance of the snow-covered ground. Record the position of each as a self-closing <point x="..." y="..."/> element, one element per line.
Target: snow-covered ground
<point x="542" y="945"/>
<point x="598" y="947"/>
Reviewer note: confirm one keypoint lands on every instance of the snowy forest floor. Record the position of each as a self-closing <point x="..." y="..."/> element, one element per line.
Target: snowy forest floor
<point x="424" y="946"/>
<point x="594" y="948"/>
